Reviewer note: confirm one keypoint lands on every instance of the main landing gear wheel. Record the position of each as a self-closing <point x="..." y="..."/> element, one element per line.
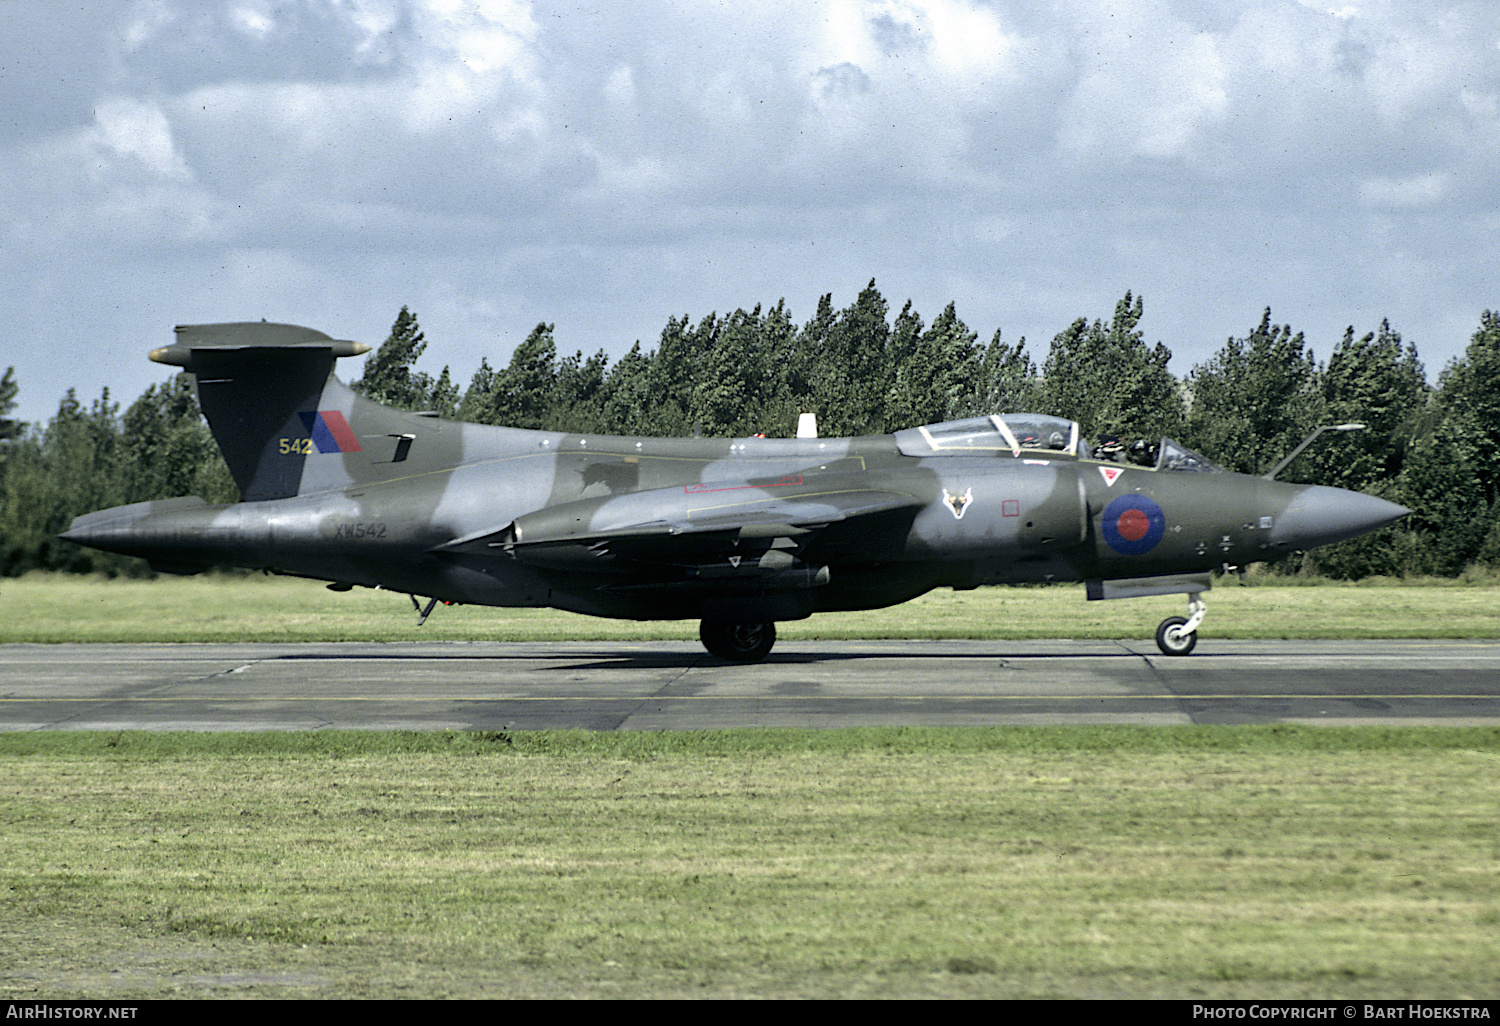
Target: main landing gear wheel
<point x="738" y="642"/>
<point x="1172" y="639"/>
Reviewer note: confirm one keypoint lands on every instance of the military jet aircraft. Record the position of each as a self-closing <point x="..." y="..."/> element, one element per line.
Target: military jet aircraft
<point x="737" y="533"/>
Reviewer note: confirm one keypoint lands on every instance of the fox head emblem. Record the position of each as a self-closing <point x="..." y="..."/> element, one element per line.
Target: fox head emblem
<point x="958" y="503"/>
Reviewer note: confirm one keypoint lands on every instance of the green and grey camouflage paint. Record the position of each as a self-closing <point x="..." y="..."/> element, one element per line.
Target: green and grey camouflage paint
<point x="738" y="533"/>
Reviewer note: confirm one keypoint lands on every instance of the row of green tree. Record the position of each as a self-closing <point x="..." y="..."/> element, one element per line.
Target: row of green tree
<point x="863" y="372"/>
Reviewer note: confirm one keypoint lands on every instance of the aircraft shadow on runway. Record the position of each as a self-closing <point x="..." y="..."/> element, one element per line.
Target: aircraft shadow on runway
<point x="661" y="660"/>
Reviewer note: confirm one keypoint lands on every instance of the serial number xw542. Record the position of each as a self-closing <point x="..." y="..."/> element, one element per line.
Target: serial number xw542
<point x="357" y="531"/>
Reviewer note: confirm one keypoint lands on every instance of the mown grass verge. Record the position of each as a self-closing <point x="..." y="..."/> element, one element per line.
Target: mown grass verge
<point x="990" y="862"/>
<point x="51" y="609"/>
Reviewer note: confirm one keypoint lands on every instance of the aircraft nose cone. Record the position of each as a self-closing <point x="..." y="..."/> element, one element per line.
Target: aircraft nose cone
<point x="94" y="530"/>
<point x="83" y="536"/>
<point x="1321" y="516"/>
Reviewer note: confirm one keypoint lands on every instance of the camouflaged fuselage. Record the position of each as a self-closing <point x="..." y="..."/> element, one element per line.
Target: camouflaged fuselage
<point x="341" y="489"/>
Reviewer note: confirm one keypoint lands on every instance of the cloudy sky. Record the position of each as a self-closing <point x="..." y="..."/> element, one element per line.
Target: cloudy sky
<point x="605" y="165"/>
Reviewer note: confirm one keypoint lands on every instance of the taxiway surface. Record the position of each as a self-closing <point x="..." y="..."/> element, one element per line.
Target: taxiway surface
<point x="675" y="686"/>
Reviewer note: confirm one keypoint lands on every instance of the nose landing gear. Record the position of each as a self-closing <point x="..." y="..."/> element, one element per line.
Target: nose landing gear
<point x="1177" y="636"/>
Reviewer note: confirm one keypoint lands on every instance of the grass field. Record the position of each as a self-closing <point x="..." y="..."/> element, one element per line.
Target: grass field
<point x="1260" y="862"/>
<point x="1004" y="862"/>
<point x="223" y="608"/>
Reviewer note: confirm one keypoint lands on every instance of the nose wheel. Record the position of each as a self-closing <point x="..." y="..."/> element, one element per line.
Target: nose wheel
<point x="1177" y="636"/>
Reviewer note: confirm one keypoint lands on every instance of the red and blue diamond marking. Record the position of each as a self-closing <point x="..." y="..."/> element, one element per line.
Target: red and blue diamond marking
<point x="1133" y="524"/>
<point x="330" y="431"/>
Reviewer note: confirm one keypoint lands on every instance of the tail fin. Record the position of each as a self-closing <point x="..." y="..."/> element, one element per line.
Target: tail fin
<point x="270" y="398"/>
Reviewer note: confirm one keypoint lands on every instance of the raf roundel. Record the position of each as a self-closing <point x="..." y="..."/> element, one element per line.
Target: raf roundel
<point x="1133" y="524"/>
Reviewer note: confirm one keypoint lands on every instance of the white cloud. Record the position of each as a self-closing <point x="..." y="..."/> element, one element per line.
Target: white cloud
<point x="253" y="20"/>
<point x="619" y="89"/>
<point x="1343" y="13"/>
<point x="1146" y="88"/>
<point x="375" y="20"/>
<point x="1417" y="191"/>
<point x="1031" y="161"/>
<point x="485" y="36"/>
<point x="136" y="132"/>
<point x="968" y="41"/>
<point x="147" y="19"/>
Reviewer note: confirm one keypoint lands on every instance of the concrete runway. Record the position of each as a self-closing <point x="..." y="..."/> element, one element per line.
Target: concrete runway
<point x="676" y="686"/>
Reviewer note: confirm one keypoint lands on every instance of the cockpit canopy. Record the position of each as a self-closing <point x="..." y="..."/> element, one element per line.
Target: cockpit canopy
<point x="978" y="436"/>
<point x="1174" y="456"/>
<point x="1030" y="434"/>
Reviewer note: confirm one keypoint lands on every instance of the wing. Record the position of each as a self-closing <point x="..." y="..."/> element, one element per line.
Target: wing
<point x="760" y="532"/>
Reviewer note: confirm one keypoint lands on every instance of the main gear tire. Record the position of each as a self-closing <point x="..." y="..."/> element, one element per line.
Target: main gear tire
<point x="738" y="642"/>
<point x="1172" y="640"/>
